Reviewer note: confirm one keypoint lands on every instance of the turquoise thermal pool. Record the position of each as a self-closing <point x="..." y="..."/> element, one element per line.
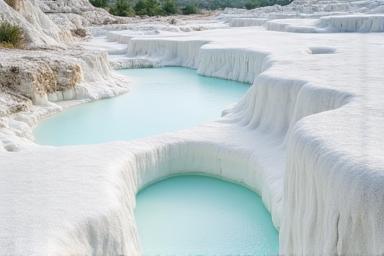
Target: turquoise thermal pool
<point x="185" y="215"/>
<point x="198" y="215"/>
<point x="161" y="100"/>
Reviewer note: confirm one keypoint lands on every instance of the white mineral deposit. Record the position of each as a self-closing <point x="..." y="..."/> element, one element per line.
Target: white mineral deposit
<point x="307" y="136"/>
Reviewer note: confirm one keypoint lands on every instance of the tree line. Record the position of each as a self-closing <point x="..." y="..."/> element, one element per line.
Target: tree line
<point x="172" y="7"/>
<point x="252" y="4"/>
<point x="145" y="7"/>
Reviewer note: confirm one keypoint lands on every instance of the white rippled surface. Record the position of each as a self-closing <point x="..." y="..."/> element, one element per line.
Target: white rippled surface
<point x="307" y="137"/>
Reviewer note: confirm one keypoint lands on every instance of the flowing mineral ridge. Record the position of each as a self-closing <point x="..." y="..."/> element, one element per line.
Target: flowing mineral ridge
<point x="307" y="136"/>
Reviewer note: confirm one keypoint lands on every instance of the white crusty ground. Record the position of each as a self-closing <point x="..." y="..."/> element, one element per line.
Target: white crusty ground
<point x="295" y="77"/>
<point x="309" y="16"/>
<point x="307" y="137"/>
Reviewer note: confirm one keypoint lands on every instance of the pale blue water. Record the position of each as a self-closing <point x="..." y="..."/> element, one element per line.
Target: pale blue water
<point x="161" y="100"/>
<point x="190" y="215"/>
<point x="198" y="215"/>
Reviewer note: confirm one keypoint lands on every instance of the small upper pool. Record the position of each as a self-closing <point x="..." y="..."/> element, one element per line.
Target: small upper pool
<point x="161" y="100"/>
<point x="198" y="215"/>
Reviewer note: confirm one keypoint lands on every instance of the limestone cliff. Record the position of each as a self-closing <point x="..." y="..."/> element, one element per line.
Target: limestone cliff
<point x="51" y="67"/>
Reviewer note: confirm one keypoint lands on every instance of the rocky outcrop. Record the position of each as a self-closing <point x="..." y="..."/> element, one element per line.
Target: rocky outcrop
<point x="77" y="14"/>
<point x="57" y="73"/>
<point x="11" y="102"/>
<point x="50" y="68"/>
<point x="34" y="74"/>
<point x="39" y="31"/>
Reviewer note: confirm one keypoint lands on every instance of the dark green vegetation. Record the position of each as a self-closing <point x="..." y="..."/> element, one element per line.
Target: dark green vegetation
<point x="121" y="8"/>
<point x="172" y="7"/>
<point x="252" y="4"/>
<point x="139" y="7"/>
<point x="11" y="36"/>
<point x="99" y="3"/>
<point x="221" y="4"/>
<point x="190" y="9"/>
<point x="149" y="7"/>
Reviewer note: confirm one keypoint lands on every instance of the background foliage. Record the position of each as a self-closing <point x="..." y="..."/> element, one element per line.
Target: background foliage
<point x="171" y="7"/>
<point x="10" y="35"/>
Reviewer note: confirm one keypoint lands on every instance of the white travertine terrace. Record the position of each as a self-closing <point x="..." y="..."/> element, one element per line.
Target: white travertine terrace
<point x="308" y="16"/>
<point x="307" y="137"/>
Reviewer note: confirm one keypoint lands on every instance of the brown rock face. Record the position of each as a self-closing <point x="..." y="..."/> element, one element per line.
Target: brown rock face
<point x="15" y="4"/>
<point x="33" y="75"/>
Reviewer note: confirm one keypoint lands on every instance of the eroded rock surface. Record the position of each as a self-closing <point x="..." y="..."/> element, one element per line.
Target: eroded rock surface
<point x="34" y="74"/>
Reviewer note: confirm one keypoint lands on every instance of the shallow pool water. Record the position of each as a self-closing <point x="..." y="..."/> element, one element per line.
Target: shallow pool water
<point x="161" y="100"/>
<point x="187" y="215"/>
<point x="198" y="215"/>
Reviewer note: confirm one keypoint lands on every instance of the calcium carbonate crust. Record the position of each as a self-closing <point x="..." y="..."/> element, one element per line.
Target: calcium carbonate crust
<point x="304" y="16"/>
<point x="306" y="137"/>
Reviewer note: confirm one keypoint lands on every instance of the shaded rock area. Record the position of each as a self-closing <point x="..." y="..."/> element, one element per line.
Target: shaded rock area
<point x="11" y="102"/>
